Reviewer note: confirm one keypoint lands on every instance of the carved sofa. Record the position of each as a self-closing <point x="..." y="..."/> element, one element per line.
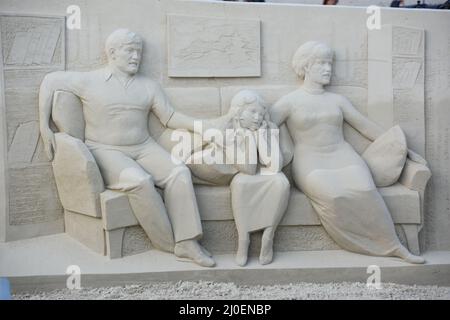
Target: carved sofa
<point x="99" y="218"/>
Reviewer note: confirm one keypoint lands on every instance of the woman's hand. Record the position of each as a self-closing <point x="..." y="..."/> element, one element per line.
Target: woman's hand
<point x="48" y="137"/>
<point x="413" y="156"/>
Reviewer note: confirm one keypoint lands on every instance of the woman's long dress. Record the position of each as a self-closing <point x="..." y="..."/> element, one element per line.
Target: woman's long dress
<point x="341" y="189"/>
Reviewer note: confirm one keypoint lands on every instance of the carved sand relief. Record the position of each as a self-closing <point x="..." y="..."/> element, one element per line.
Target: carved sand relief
<point x="32" y="46"/>
<point x="207" y="47"/>
<point x="32" y="41"/>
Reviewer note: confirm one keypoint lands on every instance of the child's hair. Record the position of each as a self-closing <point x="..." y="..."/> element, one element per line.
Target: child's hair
<point x="241" y="100"/>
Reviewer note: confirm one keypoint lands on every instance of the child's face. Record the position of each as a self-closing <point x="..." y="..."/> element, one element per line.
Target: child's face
<point x="252" y="116"/>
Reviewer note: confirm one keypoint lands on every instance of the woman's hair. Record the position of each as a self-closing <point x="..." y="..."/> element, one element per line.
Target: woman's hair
<point x="307" y="53"/>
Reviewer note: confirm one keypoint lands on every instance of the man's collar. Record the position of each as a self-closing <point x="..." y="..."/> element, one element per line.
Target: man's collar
<point x="109" y="73"/>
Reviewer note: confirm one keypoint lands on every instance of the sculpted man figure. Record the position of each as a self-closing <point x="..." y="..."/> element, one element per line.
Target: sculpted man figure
<point x="116" y="105"/>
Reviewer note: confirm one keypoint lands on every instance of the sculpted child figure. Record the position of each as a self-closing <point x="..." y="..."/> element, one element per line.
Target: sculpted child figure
<point x="116" y="103"/>
<point x="327" y="169"/>
<point x="259" y="191"/>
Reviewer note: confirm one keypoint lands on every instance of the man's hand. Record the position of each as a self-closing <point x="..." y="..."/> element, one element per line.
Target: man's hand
<point x="48" y="137"/>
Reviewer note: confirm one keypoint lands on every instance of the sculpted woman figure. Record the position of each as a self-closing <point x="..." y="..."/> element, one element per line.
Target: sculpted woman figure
<point x="326" y="168"/>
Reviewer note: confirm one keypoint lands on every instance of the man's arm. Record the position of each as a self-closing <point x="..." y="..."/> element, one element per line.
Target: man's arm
<point x="181" y="121"/>
<point x="60" y="80"/>
<point x="170" y="118"/>
<point x="165" y="112"/>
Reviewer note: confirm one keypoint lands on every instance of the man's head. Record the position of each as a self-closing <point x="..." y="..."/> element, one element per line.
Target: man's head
<point x="124" y="50"/>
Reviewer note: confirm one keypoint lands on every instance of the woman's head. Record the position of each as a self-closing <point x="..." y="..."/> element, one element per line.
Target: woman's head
<point x="313" y="59"/>
<point x="249" y="109"/>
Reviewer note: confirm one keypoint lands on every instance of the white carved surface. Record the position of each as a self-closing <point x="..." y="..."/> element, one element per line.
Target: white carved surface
<point x="32" y="41"/>
<point x="207" y="47"/>
<point x="339" y="26"/>
<point x="32" y="196"/>
<point x="32" y="46"/>
<point x="408" y="82"/>
<point x="399" y="98"/>
<point x="406" y="41"/>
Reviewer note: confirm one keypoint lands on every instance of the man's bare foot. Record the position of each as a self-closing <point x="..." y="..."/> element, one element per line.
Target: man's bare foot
<point x="191" y="249"/>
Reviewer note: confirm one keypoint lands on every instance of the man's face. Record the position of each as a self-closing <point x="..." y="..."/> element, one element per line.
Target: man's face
<point x="127" y="57"/>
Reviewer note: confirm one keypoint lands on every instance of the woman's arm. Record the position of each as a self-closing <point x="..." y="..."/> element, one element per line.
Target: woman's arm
<point x="362" y="124"/>
<point x="280" y="111"/>
<point x="368" y="128"/>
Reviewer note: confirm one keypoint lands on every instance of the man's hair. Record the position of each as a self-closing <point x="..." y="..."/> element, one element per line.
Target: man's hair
<point x="307" y="53"/>
<point x="119" y="38"/>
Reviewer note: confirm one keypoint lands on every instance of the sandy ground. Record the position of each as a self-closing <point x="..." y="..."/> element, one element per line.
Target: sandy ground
<point x="211" y="290"/>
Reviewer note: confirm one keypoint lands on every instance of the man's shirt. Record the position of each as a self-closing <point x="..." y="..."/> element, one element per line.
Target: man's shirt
<point x="116" y="113"/>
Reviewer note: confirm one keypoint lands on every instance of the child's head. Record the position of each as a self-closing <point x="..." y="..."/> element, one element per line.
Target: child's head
<point x="249" y="109"/>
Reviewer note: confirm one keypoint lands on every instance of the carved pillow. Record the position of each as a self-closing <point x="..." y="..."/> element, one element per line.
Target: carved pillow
<point x="386" y="157"/>
<point x="67" y="114"/>
<point x="172" y="141"/>
<point x="203" y="166"/>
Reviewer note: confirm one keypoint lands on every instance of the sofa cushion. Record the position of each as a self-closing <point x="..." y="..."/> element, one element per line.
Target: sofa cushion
<point x="386" y="157"/>
<point x="214" y="204"/>
<point x="77" y="176"/>
<point x="67" y="114"/>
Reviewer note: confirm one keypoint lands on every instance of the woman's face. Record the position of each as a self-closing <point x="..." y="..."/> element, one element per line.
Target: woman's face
<point x="252" y="116"/>
<point x="320" y="70"/>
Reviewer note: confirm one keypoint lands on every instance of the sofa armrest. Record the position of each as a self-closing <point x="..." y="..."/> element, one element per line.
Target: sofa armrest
<point x="77" y="176"/>
<point x="415" y="176"/>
